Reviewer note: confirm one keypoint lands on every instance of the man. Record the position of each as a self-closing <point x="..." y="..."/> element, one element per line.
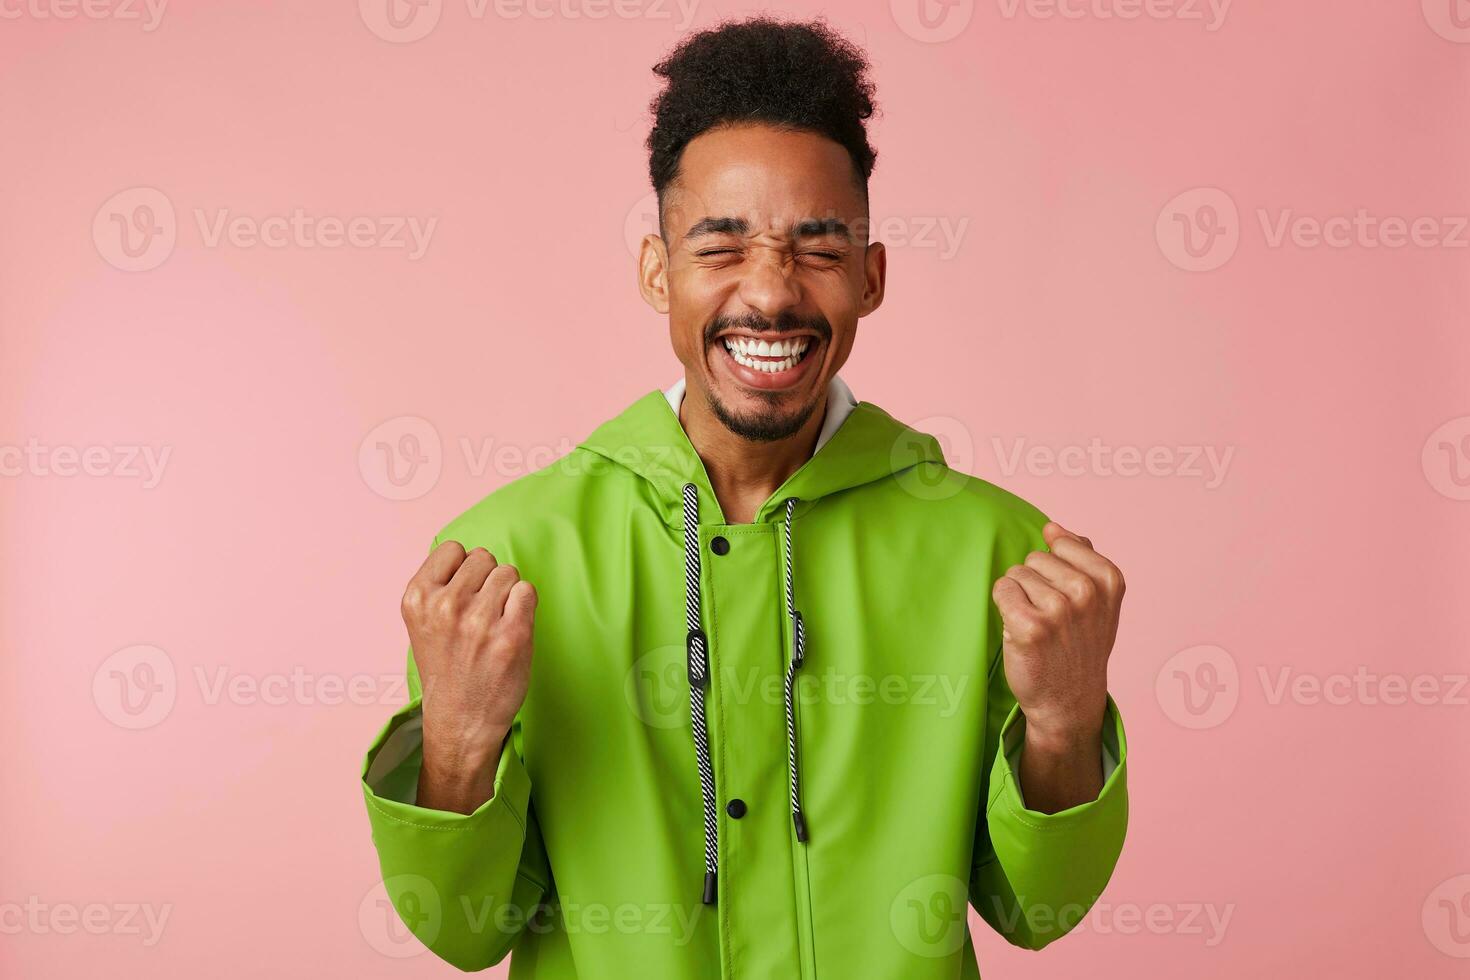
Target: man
<point x="798" y="691"/>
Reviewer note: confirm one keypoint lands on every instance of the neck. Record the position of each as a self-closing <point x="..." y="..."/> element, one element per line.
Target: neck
<point x="742" y="473"/>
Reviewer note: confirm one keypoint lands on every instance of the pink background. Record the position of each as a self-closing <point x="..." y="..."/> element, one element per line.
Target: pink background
<point x="1332" y="835"/>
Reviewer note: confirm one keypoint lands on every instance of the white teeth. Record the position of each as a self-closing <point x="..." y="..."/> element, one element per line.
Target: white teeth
<point x="758" y="354"/>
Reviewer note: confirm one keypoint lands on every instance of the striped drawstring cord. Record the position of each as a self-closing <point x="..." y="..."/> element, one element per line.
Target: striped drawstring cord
<point x="798" y="655"/>
<point x="697" y="650"/>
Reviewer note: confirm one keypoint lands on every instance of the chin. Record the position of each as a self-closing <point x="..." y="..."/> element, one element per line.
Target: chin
<point x="762" y="416"/>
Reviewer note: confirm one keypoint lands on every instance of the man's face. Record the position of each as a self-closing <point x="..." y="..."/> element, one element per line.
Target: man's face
<point x="764" y="270"/>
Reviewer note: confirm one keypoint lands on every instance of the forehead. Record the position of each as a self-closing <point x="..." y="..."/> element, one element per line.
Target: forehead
<point x="766" y="175"/>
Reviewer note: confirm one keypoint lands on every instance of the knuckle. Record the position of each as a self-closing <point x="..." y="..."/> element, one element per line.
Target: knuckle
<point x="1025" y="629"/>
<point x="503" y="575"/>
<point x="478" y="619"/>
<point x="413" y="599"/>
<point x="453" y="548"/>
<point x="511" y="636"/>
<point x="444" y="606"/>
<point x="478" y="556"/>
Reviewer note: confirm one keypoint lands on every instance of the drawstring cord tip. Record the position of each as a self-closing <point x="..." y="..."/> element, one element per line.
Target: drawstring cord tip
<point x="709" y="888"/>
<point x="800" y="822"/>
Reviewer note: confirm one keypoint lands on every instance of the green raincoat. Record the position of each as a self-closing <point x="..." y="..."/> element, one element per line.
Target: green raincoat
<point x="778" y="749"/>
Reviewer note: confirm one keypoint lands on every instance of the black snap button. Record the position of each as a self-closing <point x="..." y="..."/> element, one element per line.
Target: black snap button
<point x="719" y="545"/>
<point x="735" y="808"/>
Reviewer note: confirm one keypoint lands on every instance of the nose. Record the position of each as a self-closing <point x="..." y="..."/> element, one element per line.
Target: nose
<point x="769" y="286"/>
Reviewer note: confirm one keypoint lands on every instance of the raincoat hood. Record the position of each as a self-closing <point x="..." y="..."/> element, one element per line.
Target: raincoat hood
<point x="648" y="440"/>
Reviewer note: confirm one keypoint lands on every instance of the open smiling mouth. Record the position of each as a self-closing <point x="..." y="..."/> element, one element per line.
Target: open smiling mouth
<point x="761" y="355"/>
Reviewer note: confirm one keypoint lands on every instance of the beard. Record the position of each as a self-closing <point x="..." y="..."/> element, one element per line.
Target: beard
<point x="765" y="424"/>
<point x="771" y="421"/>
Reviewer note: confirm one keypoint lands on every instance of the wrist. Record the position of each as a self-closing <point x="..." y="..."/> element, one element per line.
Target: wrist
<point x="454" y="757"/>
<point x="1062" y="733"/>
<point x="459" y="776"/>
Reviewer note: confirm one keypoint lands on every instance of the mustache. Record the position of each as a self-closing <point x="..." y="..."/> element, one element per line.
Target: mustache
<point x="756" y="323"/>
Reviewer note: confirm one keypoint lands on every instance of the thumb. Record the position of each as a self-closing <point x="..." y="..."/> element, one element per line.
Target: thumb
<point x="1054" y="532"/>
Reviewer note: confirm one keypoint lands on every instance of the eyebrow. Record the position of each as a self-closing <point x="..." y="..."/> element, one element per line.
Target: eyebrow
<point x="803" y="228"/>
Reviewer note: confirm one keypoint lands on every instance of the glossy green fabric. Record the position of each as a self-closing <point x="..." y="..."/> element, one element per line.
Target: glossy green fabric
<point x="908" y="733"/>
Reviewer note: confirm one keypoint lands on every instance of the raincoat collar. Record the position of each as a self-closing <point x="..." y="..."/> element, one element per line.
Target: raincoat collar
<point x="866" y="444"/>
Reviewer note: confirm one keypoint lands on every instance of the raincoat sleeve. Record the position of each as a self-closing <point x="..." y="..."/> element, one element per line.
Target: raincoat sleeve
<point x="464" y="884"/>
<point x="1036" y="874"/>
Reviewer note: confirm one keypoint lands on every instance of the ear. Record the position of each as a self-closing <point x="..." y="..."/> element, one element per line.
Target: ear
<point x="653" y="273"/>
<point x="875" y="274"/>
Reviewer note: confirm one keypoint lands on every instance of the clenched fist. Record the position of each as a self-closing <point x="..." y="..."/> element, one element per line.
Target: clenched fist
<point x="1060" y="616"/>
<point x="469" y="621"/>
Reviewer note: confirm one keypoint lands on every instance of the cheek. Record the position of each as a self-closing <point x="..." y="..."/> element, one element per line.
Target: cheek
<point x="693" y="302"/>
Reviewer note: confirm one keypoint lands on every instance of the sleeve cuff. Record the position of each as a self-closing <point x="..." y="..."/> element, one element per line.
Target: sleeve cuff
<point x="390" y="777"/>
<point x="1006" y="780"/>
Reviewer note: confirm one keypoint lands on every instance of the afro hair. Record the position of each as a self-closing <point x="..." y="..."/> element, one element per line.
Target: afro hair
<point x="802" y="76"/>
